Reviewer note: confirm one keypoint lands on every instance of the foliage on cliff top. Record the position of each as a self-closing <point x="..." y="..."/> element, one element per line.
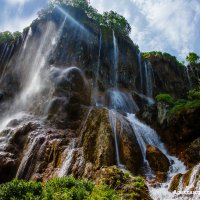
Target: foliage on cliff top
<point x="57" y="189"/>
<point x="176" y="106"/>
<point x="108" y="19"/>
<point x="9" y="37"/>
<point x="164" y="56"/>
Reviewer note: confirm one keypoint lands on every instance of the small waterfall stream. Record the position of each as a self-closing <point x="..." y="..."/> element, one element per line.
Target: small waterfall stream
<point x="188" y="76"/>
<point x="114" y="72"/>
<point x="97" y="70"/>
<point x="148" y="78"/>
<point x="146" y="135"/>
<point x="141" y="72"/>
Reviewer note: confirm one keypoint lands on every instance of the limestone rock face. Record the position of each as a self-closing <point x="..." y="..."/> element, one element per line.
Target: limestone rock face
<point x="38" y="151"/>
<point x="99" y="141"/>
<point x="192" y="154"/>
<point x="176" y="85"/>
<point x="157" y="160"/>
<point x="178" y="131"/>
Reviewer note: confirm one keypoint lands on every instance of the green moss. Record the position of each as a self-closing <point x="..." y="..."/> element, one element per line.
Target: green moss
<point x="184" y="105"/>
<point x="163" y="56"/>
<point x="165" y="98"/>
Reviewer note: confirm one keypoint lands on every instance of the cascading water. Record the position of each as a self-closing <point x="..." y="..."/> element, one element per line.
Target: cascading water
<point x="141" y="72"/>
<point x="121" y="101"/>
<point x="113" y="123"/>
<point x="95" y="95"/>
<point x="188" y="76"/>
<point x="114" y="72"/>
<point x="145" y="135"/>
<point x="69" y="156"/>
<point x="148" y="78"/>
<point x="31" y="77"/>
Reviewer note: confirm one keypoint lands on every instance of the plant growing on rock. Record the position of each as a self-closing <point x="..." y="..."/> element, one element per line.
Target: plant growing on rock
<point x="108" y="19"/>
<point x="9" y="37"/>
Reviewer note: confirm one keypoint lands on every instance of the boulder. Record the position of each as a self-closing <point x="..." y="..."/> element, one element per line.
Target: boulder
<point x="123" y="182"/>
<point x="98" y="141"/>
<point x="191" y="155"/>
<point x="157" y="160"/>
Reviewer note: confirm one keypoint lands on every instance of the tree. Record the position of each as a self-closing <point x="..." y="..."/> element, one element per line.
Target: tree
<point x="116" y="22"/>
<point x="192" y="58"/>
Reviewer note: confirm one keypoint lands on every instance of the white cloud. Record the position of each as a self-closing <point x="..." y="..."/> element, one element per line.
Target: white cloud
<point x="15" y="2"/>
<point x="164" y="25"/>
<point x="17" y="24"/>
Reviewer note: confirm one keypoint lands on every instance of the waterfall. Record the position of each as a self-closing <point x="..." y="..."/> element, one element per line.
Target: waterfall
<point x="148" y="78"/>
<point x="146" y="135"/>
<point x="97" y="101"/>
<point x="141" y="71"/>
<point x="114" y="72"/>
<point x="113" y="122"/>
<point x="32" y="68"/>
<point x="121" y="101"/>
<point x="188" y="76"/>
<point x="67" y="162"/>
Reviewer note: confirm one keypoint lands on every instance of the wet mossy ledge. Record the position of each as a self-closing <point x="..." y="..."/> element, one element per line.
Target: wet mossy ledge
<point x="111" y="183"/>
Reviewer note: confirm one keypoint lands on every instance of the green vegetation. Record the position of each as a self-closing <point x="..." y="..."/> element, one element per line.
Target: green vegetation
<point x="192" y="58"/>
<point x="127" y="186"/>
<point x="165" y="98"/>
<point x="56" y="189"/>
<point x="194" y="61"/>
<point x="17" y="189"/>
<point x="108" y="19"/>
<point x="192" y="101"/>
<point x="9" y="37"/>
<point x="162" y="55"/>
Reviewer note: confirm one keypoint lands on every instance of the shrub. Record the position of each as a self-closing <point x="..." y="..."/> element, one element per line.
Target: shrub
<point x="165" y="98"/>
<point x="56" y="189"/>
<point x="18" y="189"/>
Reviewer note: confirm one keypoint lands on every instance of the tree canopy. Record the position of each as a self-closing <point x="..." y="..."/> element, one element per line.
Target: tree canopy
<point x="9" y="37"/>
<point x="108" y="19"/>
<point x="192" y="58"/>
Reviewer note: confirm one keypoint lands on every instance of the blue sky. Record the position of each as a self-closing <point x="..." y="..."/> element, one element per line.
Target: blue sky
<point x="164" y="25"/>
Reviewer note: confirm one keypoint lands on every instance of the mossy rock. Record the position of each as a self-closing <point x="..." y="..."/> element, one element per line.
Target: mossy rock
<point x="127" y="186"/>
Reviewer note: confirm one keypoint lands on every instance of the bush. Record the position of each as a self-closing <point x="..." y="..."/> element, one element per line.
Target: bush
<point x="194" y="94"/>
<point x="165" y="98"/>
<point x="18" y="189"/>
<point x="56" y="189"/>
<point x="60" y="188"/>
<point x="9" y="37"/>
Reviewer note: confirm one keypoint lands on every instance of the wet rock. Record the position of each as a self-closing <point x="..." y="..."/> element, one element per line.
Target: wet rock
<point x="189" y="181"/>
<point x="70" y="82"/>
<point x="12" y="143"/>
<point x="157" y="160"/>
<point x="192" y="154"/>
<point x="123" y="182"/>
<point x="177" y="131"/>
<point x="99" y="143"/>
<point x="163" y="68"/>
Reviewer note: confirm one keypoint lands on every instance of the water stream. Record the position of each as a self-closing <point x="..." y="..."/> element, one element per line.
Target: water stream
<point x="114" y="72"/>
<point x="146" y="135"/>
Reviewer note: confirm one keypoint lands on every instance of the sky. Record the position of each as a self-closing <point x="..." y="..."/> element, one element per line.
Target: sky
<point x="172" y="26"/>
